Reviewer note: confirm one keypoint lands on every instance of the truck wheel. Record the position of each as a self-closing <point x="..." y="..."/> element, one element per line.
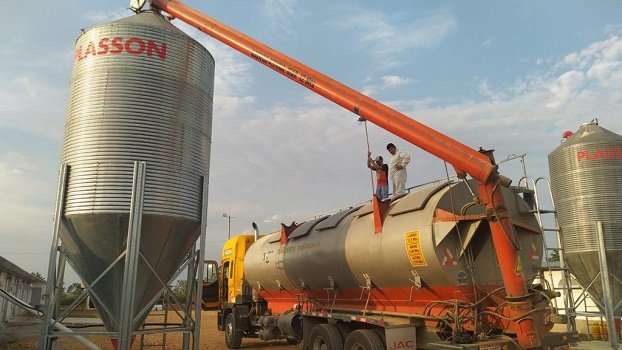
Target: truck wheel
<point x="233" y="337"/>
<point x="325" y="337"/>
<point x="364" y="339"/>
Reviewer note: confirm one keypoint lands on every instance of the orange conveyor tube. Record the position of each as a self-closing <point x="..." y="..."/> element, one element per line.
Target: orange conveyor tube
<point x="462" y="157"/>
<point x="454" y="152"/>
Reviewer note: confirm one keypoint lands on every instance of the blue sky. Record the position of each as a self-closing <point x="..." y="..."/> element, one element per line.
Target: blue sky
<point x="505" y="75"/>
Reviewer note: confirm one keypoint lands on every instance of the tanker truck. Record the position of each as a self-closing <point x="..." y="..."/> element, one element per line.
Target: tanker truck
<point x="429" y="279"/>
<point x="448" y="267"/>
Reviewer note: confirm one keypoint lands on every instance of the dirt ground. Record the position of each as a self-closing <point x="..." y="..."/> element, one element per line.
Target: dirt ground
<point x="24" y="335"/>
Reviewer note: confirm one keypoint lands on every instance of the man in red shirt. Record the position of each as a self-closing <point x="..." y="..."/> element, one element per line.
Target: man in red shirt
<point x="382" y="176"/>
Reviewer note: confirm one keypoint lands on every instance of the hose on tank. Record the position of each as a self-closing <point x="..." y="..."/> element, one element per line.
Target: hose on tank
<point x="468" y="255"/>
<point x="510" y="236"/>
<point x="20" y="303"/>
<point x="57" y="325"/>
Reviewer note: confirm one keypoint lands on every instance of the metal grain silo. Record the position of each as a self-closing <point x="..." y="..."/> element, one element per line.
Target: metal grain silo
<point x="586" y="180"/>
<point x="141" y="90"/>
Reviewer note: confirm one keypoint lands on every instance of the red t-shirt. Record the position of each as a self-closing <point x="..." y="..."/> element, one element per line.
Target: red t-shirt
<point x="382" y="176"/>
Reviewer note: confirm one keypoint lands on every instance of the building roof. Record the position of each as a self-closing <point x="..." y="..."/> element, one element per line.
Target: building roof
<point x="13" y="269"/>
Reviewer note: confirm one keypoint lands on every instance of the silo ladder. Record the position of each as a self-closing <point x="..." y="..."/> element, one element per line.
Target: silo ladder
<point x="551" y="254"/>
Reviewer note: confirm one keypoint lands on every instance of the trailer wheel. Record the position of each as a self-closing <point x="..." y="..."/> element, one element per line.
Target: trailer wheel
<point x="364" y="339"/>
<point x="325" y="337"/>
<point x="233" y="337"/>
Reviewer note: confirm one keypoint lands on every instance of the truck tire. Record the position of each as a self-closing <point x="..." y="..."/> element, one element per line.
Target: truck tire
<point x="325" y="337"/>
<point x="233" y="337"/>
<point x="364" y="339"/>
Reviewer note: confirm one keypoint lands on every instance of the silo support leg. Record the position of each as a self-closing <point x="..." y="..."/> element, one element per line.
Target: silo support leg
<point x="51" y="297"/>
<point x="200" y="273"/>
<point x="132" y="253"/>
<point x="604" y="278"/>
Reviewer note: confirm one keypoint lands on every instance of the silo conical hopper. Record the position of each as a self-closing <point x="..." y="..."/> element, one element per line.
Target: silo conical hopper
<point x="586" y="181"/>
<point x="141" y="90"/>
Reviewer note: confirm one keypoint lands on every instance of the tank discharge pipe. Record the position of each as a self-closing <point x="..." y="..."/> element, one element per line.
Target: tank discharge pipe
<point x="59" y="326"/>
<point x="256" y="231"/>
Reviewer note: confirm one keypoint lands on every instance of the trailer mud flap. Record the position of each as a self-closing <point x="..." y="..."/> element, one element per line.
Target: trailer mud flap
<point x="221" y="321"/>
<point x="401" y="337"/>
<point x="241" y="317"/>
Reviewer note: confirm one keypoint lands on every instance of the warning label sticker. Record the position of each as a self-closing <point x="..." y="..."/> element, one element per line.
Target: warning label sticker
<point x="448" y="259"/>
<point x="519" y="265"/>
<point x="534" y="252"/>
<point x="413" y="249"/>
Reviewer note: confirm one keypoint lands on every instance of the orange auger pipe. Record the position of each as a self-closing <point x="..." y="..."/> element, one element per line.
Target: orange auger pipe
<point x="454" y="152"/>
<point x="463" y="158"/>
<point x="518" y="296"/>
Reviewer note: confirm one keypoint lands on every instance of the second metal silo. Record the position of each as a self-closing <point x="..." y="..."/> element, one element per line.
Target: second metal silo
<point x="586" y="181"/>
<point x="141" y="91"/>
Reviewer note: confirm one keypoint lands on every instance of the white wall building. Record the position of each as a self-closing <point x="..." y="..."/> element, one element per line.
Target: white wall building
<point x="588" y="314"/>
<point x="21" y="284"/>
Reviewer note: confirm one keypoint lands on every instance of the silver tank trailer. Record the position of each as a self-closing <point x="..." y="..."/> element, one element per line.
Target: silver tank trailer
<point x="340" y="250"/>
<point x="586" y="180"/>
<point x="141" y="90"/>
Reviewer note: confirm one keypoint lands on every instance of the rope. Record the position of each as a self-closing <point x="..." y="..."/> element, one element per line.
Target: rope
<point x="468" y="253"/>
<point x="371" y="171"/>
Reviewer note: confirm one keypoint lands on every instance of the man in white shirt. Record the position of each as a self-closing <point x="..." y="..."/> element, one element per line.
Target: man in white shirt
<point x="397" y="169"/>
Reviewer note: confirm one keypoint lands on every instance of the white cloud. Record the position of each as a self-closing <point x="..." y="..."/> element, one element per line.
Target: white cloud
<point x="531" y="115"/>
<point x="29" y="103"/>
<point x="280" y="14"/>
<point x="23" y="188"/>
<point x="613" y="29"/>
<point x="377" y="33"/>
<point x="99" y="17"/>
<point x="595" y="68"/>
<point x="27" y="211"/>
<point x="565" y="87"/>
<point x="387" y="82"/>
<point x="276" y="218"/>
<point x="232" y="74"/>
<point x="369" y="90"/>
<point x="571" y="59"/>
<point x="602" y="69"/>
<point x="391" y="81"/>
<point x="606" y="50"/>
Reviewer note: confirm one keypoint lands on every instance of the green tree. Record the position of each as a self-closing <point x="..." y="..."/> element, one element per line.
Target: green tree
<point x="180" y="290"/>
<point x="38" y="275"/>
<point x="554" y="256"/>
<point x="74" y="288"/>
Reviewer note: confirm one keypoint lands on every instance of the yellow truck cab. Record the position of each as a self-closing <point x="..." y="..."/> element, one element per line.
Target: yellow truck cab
<point x="223" y="283"/>
<point x="232" y="268"/>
